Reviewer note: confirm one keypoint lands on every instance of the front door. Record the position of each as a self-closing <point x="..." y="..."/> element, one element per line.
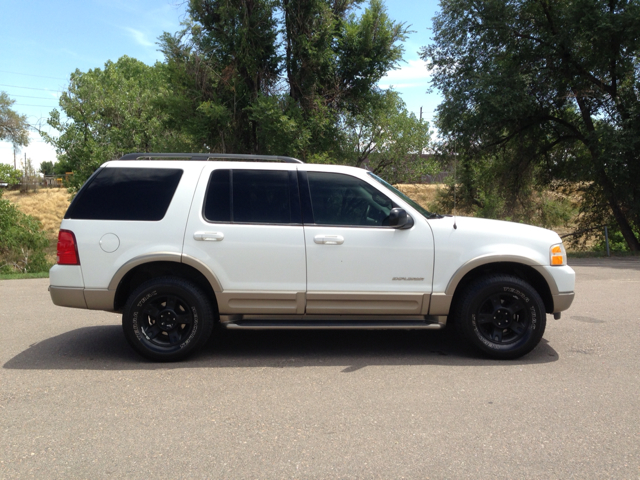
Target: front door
<point x="355" y="263"/>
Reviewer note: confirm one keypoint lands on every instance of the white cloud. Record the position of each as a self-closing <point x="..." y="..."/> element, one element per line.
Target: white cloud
<point x="412" y="74"/>
<point x="139" y="37"/>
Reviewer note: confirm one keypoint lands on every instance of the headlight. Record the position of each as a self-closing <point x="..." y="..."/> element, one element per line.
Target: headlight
<point x="558" y="255"/>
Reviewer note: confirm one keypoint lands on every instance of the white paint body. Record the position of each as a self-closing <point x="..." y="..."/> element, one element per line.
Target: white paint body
<point x="297" y="258"/>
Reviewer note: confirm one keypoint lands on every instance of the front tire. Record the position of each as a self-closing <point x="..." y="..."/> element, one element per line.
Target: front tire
<point x="167" y="319"/>
<point x="501" y="315"/>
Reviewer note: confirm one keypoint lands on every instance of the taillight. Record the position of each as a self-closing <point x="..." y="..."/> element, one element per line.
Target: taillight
<point x="67" y="248"/>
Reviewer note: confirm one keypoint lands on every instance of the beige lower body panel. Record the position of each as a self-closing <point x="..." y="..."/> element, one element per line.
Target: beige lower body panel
<point x="440" y="304"/>
<point x="266" y="303"/>
<point x="100" y="299"/>
<point x="332" y="303"/>
<point x="322" y="303"/>
<point x="77" y="297"/>
<point x="562" y="301"/>
<point x="68" y="297"/>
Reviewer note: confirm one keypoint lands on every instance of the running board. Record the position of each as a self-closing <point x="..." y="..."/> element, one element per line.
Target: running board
<point x="332" y="325"/>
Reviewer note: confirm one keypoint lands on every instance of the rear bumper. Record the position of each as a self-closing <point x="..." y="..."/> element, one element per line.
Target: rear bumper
<point x="68" y="296"/>
<point x="77" y="297"/>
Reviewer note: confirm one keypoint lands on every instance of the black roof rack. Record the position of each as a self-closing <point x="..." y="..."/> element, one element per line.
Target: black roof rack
<point x="209" y="156"/>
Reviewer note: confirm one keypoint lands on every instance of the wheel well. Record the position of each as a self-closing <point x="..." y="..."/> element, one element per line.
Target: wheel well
<point x="140" y="274"/>
<point x="524" y="272"/>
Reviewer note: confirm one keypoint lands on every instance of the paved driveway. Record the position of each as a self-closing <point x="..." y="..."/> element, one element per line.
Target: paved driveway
<point x="76" y="402"/>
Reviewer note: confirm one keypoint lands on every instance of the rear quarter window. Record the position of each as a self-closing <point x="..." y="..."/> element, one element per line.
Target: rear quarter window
<point x="126" y="194"/>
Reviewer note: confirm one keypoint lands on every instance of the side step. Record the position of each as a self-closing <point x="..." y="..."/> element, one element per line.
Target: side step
<point x="333" y="325"/>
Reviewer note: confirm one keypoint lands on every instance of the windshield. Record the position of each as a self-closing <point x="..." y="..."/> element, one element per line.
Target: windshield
<point x="425" y="213"/>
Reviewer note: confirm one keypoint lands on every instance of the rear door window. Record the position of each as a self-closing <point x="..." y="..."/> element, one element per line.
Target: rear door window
<point x="252" y="196"/>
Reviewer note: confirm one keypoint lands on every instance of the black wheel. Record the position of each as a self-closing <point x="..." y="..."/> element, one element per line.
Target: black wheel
<point x="501" y="315"/>
<point x="166" y="319"/>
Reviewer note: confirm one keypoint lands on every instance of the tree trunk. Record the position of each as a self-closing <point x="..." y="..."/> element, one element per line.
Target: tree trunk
<point x="618" y="214"/>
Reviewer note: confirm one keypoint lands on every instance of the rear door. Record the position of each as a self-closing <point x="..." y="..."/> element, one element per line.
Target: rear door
<point x="245" y="226"/>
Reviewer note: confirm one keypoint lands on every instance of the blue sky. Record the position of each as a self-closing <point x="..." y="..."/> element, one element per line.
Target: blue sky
<point x="44" y="41"/>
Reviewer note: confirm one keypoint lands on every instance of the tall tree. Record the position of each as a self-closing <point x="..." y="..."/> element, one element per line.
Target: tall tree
<point x="13" y="126"/>
<point x="248" y="93"/>
<point x="112" y="111"/>
<point x="223" y="60"/>
<point x="548" y="86"/>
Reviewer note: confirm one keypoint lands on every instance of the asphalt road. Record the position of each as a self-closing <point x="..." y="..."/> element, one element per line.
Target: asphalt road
<point x="76" y="402"/>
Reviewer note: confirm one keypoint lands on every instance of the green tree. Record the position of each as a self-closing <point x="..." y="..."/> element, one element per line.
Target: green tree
<point x="13" y="126"/>
<point x="223" y="60"/>
<point x="226" y="68"/>
<point x="388" y="139"/>
<point x="544" y="92"/>
<point x="47" y="168"/>
<point x="9" y="175"/>
<point x="109" y="112"/>
<point x="247" y="76"/>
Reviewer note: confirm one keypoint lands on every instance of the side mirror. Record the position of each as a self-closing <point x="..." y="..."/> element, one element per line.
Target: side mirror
<point x="399" y="218"/>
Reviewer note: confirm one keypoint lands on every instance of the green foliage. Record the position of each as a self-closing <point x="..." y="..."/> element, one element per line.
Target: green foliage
<point x="236" y="90"/>
<point x="22" y="241"/>
<point x="388" y="139"/>
<point x="485" y="188"/>
<point x="13" y="126"/>
<point x="110" y="112"/>
<point x="47" y="168"/>
<point x="617" y="242"/>
<point x="9" y="175"/>
<point x="281" y="77"/>
<point x="549" y="88"/>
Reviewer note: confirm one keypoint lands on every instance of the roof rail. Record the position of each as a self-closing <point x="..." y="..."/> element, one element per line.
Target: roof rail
<point x="209" y="156"/>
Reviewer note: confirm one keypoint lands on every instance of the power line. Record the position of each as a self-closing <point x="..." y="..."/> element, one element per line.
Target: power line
<point x="27" y="96"/>
<point x="31" y="88"/>
<point x="30" y="75"/>
<point x="28" y="105"/>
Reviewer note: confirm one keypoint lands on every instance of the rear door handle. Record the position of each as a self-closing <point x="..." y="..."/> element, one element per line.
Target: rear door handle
<point x="329" y="239"/>
<point x="209" y="236"/>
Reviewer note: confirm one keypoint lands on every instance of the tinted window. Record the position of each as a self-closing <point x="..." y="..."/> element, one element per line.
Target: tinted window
<point x="217" y="206"/>
<point x="261" y="197"/>
<point x="252" y="196"/>
<point x="339" y="199"/>
<point x="126" y="194"/>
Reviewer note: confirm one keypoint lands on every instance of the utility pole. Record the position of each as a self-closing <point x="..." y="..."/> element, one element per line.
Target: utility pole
<point x="420" y="113"/>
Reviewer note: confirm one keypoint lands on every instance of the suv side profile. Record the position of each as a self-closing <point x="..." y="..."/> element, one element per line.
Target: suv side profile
<point x="180" y="242"/>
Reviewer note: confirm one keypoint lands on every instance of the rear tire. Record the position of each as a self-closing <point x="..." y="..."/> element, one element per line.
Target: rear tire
<point x="167" y="319"/>
<point x="501" y="315"/>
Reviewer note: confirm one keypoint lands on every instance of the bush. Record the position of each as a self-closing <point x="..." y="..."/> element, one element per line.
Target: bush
<point x="22" y="241"/>
<point x="617" y="243"/>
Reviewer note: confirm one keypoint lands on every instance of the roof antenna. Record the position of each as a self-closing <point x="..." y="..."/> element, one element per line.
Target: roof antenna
<point x="455" y="181"/>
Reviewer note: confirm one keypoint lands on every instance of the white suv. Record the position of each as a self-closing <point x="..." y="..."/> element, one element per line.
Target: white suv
<point x="256" y="242"/>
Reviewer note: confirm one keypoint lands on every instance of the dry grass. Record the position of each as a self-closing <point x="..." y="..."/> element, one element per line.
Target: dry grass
<point x="47" y="205"/>
<point x="425" y="195"/>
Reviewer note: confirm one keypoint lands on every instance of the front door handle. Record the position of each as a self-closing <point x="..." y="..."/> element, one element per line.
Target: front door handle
<point x="329" y="239"/>
<point x="209" y="236"/>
